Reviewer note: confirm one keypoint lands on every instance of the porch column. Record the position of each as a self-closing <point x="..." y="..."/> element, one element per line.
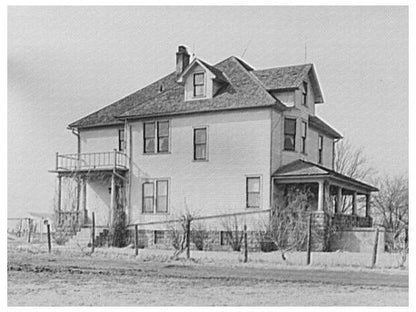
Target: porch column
<point x="338" y="208"/>
<point x="367" y="205"/>
<point x="59" y="197"/>
<point x="112" y="200"/>
<point x="354" y="204"/>
<point x="84" y="200"/>
<point x="321" y="196"/>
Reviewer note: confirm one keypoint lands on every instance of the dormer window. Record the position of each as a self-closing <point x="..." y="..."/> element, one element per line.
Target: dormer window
<point x="199" y="84"/>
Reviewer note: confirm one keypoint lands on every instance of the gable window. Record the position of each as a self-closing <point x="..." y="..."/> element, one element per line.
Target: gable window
<point x="155" y="196"/>
<point x="305" y="93"/>
<point x="253" y="192"/>
<point x="320" y="148"/>
<point x="199" y="84"/>
<point x="156" y="137"/>
<point x="200" y="144"/>
<point x="290" y="134"/>
<point x="304" y="132"/>
<point x="121" y="142"/>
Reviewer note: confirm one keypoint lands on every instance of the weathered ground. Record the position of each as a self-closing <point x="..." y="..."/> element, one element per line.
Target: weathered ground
<point x="62" y="279"/>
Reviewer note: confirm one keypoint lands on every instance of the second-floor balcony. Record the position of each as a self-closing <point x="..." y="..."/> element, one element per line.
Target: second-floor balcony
<point x="92" y="161"/>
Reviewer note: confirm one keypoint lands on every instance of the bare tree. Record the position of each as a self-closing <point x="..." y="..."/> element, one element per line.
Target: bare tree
<point x="177" y="232"/>
<point x="350" y="161"/>
<point x="287" y="228"/>
<point x="392" y="211"/>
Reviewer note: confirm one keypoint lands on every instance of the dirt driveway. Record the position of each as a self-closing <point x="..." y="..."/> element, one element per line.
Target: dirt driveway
<point x="42" y="280"/>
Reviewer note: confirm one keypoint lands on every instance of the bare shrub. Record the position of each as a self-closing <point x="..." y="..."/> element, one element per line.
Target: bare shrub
<point x="234" y="230"/>
<point x="177" y="233"/>
<point x="199" y="234"/>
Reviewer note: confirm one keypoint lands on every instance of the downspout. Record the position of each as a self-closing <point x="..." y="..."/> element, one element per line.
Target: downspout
<point x="76" y="132"/>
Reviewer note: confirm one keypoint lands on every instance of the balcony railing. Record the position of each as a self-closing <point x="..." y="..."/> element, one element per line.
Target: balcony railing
<point x="91" y="161"/>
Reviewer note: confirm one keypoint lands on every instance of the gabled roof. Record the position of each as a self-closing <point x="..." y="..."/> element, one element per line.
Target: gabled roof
<point x="302" y="168"/>
<point x="289" y="77"/>
<point x="322" y="126"/>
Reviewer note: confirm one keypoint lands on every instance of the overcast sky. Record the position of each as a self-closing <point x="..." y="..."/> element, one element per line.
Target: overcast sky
<point x="66" y="62"/>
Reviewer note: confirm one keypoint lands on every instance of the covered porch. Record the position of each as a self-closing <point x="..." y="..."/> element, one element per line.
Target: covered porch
<point x="346" y="202"/>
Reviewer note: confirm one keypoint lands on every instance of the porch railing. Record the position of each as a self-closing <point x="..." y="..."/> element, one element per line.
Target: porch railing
<point x="89" y="161"/>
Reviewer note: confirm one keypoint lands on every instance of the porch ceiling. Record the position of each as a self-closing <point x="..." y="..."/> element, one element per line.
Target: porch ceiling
<point x="299" y="170"/>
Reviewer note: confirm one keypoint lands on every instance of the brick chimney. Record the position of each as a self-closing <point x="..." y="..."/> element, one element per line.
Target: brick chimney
<point x="182" y="60"/>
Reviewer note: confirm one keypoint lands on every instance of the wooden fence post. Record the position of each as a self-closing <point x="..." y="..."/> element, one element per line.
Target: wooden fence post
<point x="188" y="238"/>
<point x="245" y="244"/>
<point x="374" y="259"/>
<point x="309" y="241"/>
<point x="136" y="239"/>
<point x="48" y="227"/>
<point x="29" y="229"/>
<point x="93" y="233"/>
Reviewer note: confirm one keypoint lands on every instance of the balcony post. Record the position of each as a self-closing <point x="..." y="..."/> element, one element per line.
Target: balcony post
<point x="57" y="161"/>
<point x="115" y="158"/>
<point x="59" y="197"/>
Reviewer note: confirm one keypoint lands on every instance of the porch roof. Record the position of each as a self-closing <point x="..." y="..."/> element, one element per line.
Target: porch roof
<point x="305" y="169"/>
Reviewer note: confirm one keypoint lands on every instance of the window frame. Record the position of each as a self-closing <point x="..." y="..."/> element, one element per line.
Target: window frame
<point x="195" y="84"/>
<point x="196" y="144"/>
<point x="144" y="197"/>
<point x="154" y="183"/>
<point x="259" y="177"/>
<point x="304" y="135"/>
<point x="161" y="237"/>
<point x="320" y="148"/>
<point x="285" y="134"/>
<point x="156" y="137"/>
<point x="305" y="93"/>
<point x="121" y="140"/>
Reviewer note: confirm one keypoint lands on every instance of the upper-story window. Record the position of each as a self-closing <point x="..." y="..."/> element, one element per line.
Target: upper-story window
<point x="199" y="84"/>
<point x="200" y="144"/>
<point x="305" y="93"/>
<point x="156" y="137"/>
<point x="320" y="148"/>
<point x="304" y="133"/>
<point x="121" y="141"/>
<point x="290" y="134"/>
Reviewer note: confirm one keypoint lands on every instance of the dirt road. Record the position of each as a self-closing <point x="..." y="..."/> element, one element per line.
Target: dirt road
<point x="58" y="281"/>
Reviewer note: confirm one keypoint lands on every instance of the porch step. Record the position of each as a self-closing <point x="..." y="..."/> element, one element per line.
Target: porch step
<point x="83" y="238"/>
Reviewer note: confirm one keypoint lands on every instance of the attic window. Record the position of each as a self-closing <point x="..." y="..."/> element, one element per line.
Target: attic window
<point x="305" y="93"/>
<point x="199" y="84"/>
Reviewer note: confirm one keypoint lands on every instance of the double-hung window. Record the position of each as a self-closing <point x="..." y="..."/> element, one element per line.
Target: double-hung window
<point x="199" y="84"/>
<point x="290" y="134"/>
<point x="200" y="144"/>
<point x="156" y="137"/>
<point x="320" y="148"/>
<point x="253" y="192"/>
<point x="121" y="141"/>
<point x="305" y="94"/>
<point x="304" y="133"/>
<point x="155" y="196"/>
